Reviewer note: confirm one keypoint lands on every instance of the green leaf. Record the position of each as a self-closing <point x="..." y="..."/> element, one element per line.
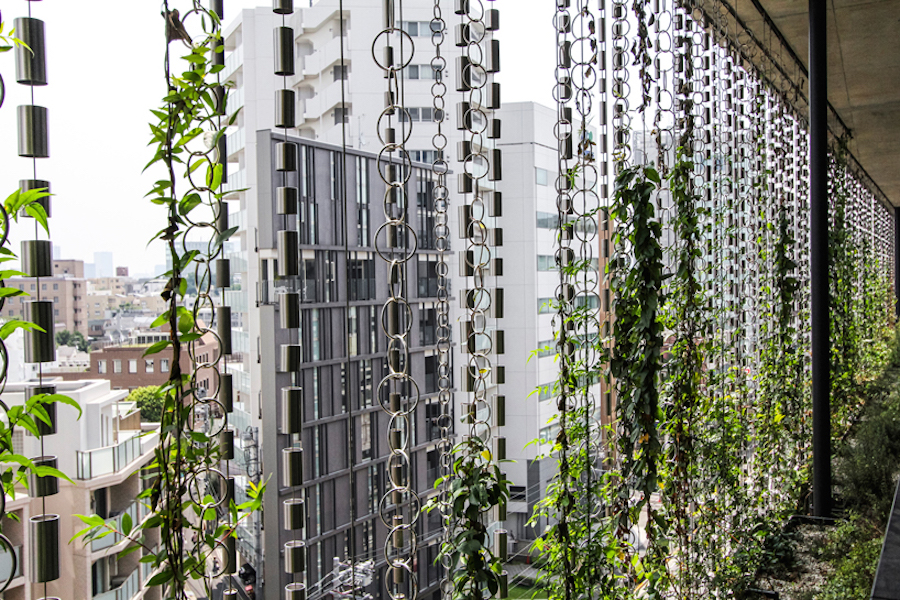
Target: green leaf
<point x="126" y="524"/>
<point x="157" y="347"/>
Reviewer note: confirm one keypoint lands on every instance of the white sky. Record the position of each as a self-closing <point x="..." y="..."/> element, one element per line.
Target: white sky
<point x="105" y="73"/>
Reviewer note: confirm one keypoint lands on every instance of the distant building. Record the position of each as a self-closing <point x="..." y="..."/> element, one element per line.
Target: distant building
<point x="126" y="367"/>
<point x="103" y="264"/>
<point x="68" y="295"/>
<point x="121" y="271"/>
<point x="72" y="267"/>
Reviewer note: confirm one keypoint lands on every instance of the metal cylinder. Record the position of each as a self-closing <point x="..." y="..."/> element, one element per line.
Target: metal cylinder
<point x="285" y="108"/>
<point x="44" y="548"/>
<point x="284" y="51"/>
<point x="230" y="561"/>
<point x="292" y="466"/>
<point x="223" y="273"/>
<point x="34" y="139"/>
<point x="393" y="319"/>
<point x="222" y="218"/>
<point x="294" y="556"/>
<point x="289" y="310"/>
<point x="45" y="428"/>
<point x="221" y="100"/>
<point x="395" y="435"/>
<point x="37" y="258"/>
<point x="41" y="486"/>
<point x="218" y="7"/>
<point x="35" y="390"/>
<point x="26" y="185"/>
<point x="291" y="357"/>
<point x="502" y="513"/>
<point x="295" y="591"/>
<point x="398" y="575"/>
<point x="283" y="7"/>
<point x="229" y="491"/>
<point x="288" y="245"/>
<point x="222" y="158"/>
<point x="499" y="448"/>
<point x="39" y="345"/>
<point x="286" y="200"/>
<point x="31" y="62"/>
<point x="285" y="156"/>
<point x="500" y="544"/>
<point x="223" y="329"/>
<point x="226" y="444"/>
<point x="491" y="19"/>
<point x="230" y="594"/>
<point x="226" y="392"/>
<point x="294" y="514"/>
<point x="503" y="592"/>
<point x="292" y="410"/>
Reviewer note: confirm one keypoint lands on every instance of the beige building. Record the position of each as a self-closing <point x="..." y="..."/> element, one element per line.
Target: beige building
<point x="116" y="285"/>
<point x="72" y="267"/>
<point x="98" y="302"/>
<point x="67" y="293"/>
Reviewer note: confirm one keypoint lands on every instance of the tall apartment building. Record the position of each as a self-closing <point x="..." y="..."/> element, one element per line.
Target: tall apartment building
<point x="103" y="453"/>
<point x="342" y="470"/>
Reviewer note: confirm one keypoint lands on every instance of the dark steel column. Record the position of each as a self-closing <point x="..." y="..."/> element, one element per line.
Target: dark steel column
<point x="819" y="293"/>
<point x="897" y="257"/>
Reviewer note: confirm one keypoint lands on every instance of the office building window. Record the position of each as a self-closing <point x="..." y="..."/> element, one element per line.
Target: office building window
<point x="427" y="276"/>
<point x="373" y="487"/>
<point x="101" y="367"/>
<point x="362" y="201"/>
<point x="341" y="115"/>
<point x="43" y="286"/>
<point x="132" y="365"/>
<point x="148" y="365"/>
<point x="353" y="331"/>
<point x="361" y="276"/>
<point x="547" y="220"/>
<point x="373" y="329"/>
<point x="421" y="72"/>
<point x="431" y="374"/>
<point x="545" y="391"/>
<point x="541" y="176"/>
<point x="546" y="348"/>
<point x="55" y="286"/>
<point x="546" y="263"/>
<point x="427" y="326"/>
<point x="425" y="209"/>
<point x="117" y="366"/>
<point x="164" y="365"/>
<point x="365" y="435"/>
<point x="366" y="384"/>
<point x="545" y="306"/>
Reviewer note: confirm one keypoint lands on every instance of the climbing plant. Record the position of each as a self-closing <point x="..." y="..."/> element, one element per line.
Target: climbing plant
<point x="192" y="514"/>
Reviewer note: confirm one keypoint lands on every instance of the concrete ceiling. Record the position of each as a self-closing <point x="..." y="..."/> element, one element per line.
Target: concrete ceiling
<point x="863" y="72"/>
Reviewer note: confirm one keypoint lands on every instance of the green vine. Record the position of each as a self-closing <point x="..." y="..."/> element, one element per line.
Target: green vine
<point x="477" y="486"/>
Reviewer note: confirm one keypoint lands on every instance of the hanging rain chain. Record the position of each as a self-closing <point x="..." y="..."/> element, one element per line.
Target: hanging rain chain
<point x="396" y="243"/>
<point x="287" y="201"/>
<point x="37" y="262"/>
<point x="441" y="199"/>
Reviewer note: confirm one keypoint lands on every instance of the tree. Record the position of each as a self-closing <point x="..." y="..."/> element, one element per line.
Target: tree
<point x="150" y="402"/>
<point x="76" y="340"/>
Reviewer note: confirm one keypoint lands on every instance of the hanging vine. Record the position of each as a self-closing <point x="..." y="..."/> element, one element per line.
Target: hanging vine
<point x="190" y="495"/>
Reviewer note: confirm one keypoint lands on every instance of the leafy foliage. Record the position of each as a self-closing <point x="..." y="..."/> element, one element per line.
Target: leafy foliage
<point x="75" y="340"/>
<point x="149" y="400"/>
<point x="476" y="487"/>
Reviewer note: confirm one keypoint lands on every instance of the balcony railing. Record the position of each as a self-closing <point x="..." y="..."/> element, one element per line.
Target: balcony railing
<point x="136" y="511"/>
<point x="111" y="459"/>
<point x="129" y="588"/>
<point x="6" y="563"/>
